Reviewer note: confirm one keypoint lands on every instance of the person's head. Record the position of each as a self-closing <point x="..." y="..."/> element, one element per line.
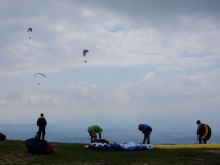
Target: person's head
<point x="42" y="115"/>
<point x="198" y="122"/>
<point x="140" y="127"/>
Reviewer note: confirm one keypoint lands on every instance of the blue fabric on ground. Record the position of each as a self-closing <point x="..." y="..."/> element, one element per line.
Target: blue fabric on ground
<point x="120" y="146"/>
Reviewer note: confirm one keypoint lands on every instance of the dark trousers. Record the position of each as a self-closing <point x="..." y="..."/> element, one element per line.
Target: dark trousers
<point x="147" y="133"/>
<point x="41" y="132"/>
<point x="200" y="140"/>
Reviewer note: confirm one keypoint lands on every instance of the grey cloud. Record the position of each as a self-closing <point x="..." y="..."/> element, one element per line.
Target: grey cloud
<point x="13" y="94"/>
<point x="158" y="12"/>
<point x="179" y="88"/>
<point x="61" y="31"/>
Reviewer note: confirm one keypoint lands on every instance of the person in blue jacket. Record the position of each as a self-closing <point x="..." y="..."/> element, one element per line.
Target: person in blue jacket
<point x="146" y="130"/>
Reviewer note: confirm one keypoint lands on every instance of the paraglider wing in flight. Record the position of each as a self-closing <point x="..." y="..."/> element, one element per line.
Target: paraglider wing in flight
<point x="40" y="74"/>
<point x="84" y="52"/>
<point x="29" y="29"/>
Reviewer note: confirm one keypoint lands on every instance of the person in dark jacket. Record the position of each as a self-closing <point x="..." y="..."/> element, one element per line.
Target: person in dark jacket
<point x="203" y="132"/>
<point x="41" y="122"/>
<point x="146" y="130"/>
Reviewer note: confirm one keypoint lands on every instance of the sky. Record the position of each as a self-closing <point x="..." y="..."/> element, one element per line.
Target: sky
<point x="150" y="61"/>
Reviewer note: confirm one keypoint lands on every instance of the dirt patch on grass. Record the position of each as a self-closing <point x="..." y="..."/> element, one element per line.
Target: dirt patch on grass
<point x="17" y="158"/>
<point x="189" y="156"/>
<point x="213" y="151"/>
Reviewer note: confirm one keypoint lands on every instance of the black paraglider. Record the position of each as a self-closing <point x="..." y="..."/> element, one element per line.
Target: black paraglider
<point x="30" y="30"/>
<point x="39" y="74"/>
<point x="84" y="53"/>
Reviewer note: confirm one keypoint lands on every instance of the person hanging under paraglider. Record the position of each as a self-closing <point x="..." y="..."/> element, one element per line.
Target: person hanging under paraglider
<point x="30" y="30"/>
<point x="84" y="53"/>
<point x="39" y="74"/>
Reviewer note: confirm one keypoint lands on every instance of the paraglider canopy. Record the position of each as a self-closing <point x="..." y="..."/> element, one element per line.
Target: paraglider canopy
<point x="40" y="74"/>
<point x="29" y="29"/>
<point x="84" y="52"/>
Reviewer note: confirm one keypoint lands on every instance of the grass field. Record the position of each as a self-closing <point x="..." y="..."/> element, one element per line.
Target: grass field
<point x="15" y="153"/>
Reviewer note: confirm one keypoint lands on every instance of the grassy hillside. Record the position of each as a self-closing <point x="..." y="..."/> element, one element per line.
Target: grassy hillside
<point x="15" y="152"/>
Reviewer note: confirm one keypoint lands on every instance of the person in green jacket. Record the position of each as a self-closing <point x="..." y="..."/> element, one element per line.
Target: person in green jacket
<point x="93" y="130"/>
<point x="37" y="135"/>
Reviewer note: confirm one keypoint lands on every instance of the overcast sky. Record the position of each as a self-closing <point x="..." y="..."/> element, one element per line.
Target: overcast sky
<point x="150" y="61"/>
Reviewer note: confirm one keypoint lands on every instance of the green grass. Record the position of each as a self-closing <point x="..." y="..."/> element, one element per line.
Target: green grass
<point x="15" y="153"/>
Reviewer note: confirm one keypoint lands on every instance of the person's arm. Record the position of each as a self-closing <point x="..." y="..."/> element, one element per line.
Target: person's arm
<point x="198" y="129"/>
<point x="38" y="122"/>
<point x="45" y="121"/>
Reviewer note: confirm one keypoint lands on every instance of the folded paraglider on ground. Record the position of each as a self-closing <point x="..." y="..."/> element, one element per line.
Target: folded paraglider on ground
<point x="35" y="146"/>
<point x="106" y="145"/>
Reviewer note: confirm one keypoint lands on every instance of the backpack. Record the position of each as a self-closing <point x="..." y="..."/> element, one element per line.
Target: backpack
<point x="2" y="137"/>
<point x="35" y="146"/>
<point x="49" y="148"/>
<point x="205" y="132"/>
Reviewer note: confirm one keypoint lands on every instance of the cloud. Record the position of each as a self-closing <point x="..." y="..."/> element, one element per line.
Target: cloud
<point x="151" y="89"/>
<point x="148" y="76"/>
<point x="112" y="38"/>
<point x="39" y="100"/>
<point x="145" y="58"/>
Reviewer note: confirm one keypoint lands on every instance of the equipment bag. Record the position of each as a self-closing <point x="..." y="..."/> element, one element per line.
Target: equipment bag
<point x="49" y="148"/>
<point x="2" y="137"/>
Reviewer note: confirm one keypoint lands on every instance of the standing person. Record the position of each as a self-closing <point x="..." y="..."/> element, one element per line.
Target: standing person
<point x="41" y="122"/>
<point x="93" y="130"/>
<point x="146" y="130"/>
<point x="203" y="132"/>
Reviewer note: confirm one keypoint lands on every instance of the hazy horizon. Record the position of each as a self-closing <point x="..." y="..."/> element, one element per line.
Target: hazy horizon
<point x="55" y="133"/>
